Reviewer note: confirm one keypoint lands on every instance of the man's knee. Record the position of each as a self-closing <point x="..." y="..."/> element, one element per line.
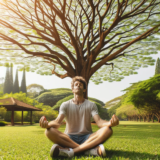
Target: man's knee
<point x="106" y="133"/>
<point x="50" y="132"/>
<point x="108" y="130"/>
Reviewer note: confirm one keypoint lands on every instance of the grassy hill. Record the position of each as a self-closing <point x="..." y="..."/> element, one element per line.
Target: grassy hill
<point x="52" y="96"/>
<point x="112" y="102"/>
<point x="55" y="97"/>
<point x="99" y="103"/>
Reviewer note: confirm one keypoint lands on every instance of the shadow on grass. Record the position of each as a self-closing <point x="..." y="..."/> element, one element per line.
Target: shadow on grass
<point x="129" y="154"/>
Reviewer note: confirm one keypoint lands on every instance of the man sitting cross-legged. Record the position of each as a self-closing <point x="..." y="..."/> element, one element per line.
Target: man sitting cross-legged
<point x="78" y="136"/>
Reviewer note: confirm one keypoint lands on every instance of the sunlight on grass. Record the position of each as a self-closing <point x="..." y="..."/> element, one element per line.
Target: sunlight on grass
<point x="131" y="140"/>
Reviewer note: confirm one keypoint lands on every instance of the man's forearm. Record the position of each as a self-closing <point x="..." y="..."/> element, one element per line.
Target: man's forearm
<point x="104" y="123"/>
<point x="53" y="124"/>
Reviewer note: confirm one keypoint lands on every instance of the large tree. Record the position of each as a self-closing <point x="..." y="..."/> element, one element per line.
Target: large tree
<point x="85" y="38"/>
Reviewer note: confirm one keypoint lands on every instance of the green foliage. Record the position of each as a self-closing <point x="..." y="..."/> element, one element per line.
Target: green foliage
<point x="3" y="123"/>
<point x="1" y="89"/>
<point x="145" y="95"/>
<point x="33" y="90"/>
<point x="113" y="102"/>
<point x="112" y="110"/>
<point x="47" y="112"/>
<point x="126" y="110"/>
<point x="58" y="104"/>
<point x="37" y="87"/>
<point x="21" y="97"/>
<point x="142" y="99"/>
<point x="52" y="96"/>
<point x="96" y="100"/>
<point x="2" y="112"/>
<point x="104" y="113"/>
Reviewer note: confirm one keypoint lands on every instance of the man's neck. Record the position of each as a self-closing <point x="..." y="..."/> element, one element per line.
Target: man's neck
<point x="78" y="99"/>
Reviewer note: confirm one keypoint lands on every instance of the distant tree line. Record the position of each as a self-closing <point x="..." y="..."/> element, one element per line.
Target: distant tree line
<point x="13" y="87"/>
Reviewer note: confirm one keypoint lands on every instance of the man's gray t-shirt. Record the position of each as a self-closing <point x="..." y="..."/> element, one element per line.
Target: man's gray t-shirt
<point x="78" y="117"/>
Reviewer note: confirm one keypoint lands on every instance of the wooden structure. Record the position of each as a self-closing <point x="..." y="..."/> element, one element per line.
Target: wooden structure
<point x="12" y="104"/>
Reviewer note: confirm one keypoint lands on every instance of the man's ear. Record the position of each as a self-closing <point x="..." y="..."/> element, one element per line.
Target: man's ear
<point x="84" y="90"/>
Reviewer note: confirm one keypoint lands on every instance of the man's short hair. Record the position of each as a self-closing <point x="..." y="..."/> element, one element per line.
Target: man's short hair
<point x="80" y="79"/>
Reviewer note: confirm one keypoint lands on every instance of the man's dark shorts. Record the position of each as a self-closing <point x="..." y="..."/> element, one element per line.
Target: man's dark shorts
<point x="79" y="138"/>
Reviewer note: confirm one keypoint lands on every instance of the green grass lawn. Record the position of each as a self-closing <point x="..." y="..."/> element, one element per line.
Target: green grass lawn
<point x="130" y="140"/>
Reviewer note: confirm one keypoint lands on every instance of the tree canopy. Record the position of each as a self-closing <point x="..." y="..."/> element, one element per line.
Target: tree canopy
<point x="146" y="96"/>
<point x="80" y="37"/>
<point x="33" y="90"/>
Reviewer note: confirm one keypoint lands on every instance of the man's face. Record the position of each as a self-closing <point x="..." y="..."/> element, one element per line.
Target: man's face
<point x="78" y="88"/>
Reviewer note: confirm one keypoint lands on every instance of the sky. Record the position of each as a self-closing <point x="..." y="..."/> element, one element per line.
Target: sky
<point x="105" y="91"/>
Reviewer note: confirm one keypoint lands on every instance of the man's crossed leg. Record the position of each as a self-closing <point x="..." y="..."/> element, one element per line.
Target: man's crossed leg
<point x="71" y="148"/>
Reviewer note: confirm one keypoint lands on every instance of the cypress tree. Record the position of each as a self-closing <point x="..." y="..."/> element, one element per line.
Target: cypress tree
<point x="11" y="78"/>
<point x="157" y="69"/>
<point x="6" y="88"/>
<point x="23" y="83"/>
<point x="16" y="84"/>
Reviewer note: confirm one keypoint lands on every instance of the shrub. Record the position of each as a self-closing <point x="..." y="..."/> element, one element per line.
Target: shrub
<point x="53" y="96"/>
<point x="3" y="111"/>
<point x="3" y="123"/>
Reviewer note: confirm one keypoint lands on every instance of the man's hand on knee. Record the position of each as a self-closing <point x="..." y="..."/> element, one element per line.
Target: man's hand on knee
<point x="114" y="121"/>
<point x="43" y="122"/>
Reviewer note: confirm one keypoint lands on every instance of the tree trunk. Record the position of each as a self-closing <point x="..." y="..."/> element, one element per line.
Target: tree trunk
<point x="143" y="118"/>
<point x="152" y="117"/>
<point x="148" y="117"/>
<point x="86" y="93"/>
<point x="158" y="117"/>
<point x="140" y="118"/>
